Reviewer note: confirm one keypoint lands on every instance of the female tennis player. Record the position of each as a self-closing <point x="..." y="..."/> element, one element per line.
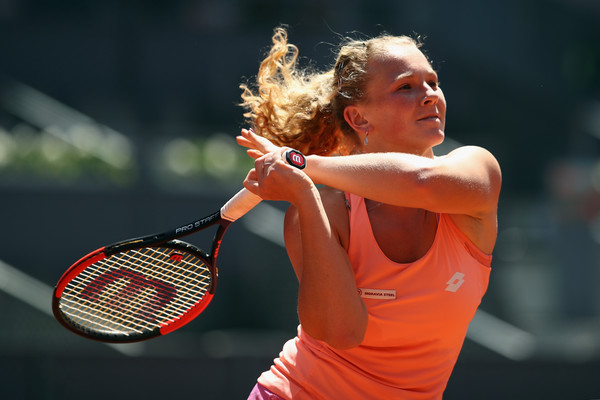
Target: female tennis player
<point x="393" y="250"/>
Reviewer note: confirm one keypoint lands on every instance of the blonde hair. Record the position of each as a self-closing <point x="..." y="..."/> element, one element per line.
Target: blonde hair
<point x="304" y="109"/>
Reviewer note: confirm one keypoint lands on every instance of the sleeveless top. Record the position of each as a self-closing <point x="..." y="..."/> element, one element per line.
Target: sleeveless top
<point x="418" y="318"/>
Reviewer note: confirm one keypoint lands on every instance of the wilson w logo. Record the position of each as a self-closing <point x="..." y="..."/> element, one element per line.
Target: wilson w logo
<point x="152" y="295"/>
<point x="296" y="159"/>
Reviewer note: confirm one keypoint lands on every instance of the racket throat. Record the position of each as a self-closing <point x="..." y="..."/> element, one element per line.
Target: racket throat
<point x="216" y="244"/>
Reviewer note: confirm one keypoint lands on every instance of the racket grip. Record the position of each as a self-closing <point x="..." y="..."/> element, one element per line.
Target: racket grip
<point x="240" y="204"/>
<point x="245" y="200"/>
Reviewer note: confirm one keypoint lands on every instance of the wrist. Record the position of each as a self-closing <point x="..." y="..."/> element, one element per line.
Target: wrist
<point x="295" y="158"/>
<point x="309" y="164"/>
<point x="313" y="163"/>
<point x="308" y="199"/>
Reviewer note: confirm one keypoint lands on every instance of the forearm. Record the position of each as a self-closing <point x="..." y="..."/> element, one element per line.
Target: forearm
<point x="329" y="306"/>
<point x="391" y="178"/>
<point x="466" y="181"/>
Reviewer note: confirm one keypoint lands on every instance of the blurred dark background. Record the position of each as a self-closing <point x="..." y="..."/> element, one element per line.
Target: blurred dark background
<point x="118" y="119"/>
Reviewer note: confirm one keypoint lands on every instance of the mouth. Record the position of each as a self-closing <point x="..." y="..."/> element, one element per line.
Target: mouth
<point x="430" y="117"/>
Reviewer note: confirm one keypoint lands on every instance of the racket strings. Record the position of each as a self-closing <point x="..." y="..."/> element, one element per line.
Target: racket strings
<point x="131" y="318"/>
<point x="135" y="291"/>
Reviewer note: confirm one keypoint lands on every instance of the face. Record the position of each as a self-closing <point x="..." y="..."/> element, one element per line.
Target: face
<point x="405" y="109"/>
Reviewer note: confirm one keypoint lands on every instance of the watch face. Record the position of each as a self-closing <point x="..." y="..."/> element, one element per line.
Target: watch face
<point x="296" y="159"/>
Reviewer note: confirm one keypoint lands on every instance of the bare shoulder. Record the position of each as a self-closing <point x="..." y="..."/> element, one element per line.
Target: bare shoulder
<point x="481" y="170"/>
<point x="477" y="174"/>
<point x="334" y="203"/>
<point x="333" y="199"/>
<point x="474" y="155"/>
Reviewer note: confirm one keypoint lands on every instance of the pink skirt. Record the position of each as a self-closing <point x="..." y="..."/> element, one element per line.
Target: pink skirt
<point x="260" y="393"/>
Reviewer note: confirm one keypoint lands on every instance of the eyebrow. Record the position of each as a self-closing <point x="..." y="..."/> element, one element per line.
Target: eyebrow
<point x="403" y="75"/>
<point x="409" y="74"/>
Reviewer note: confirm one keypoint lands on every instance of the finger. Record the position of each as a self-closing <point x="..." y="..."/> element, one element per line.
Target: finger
<point x="258" y="141"/>
<point x="252" y="187"/>
<point x="252" y="141"/>
<point x="255" y="153"/>
<point x="247" y="133"/>
<point x="242" y="141"/>
<point x="250" y="135"/>
<point x="252" y="175"/>
<point x="251" y="182"/>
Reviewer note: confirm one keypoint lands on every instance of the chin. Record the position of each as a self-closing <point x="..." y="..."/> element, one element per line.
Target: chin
<point x="438" y="138"/>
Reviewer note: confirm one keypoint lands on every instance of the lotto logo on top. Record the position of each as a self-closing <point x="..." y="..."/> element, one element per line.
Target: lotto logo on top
<point x="455" y="282"/>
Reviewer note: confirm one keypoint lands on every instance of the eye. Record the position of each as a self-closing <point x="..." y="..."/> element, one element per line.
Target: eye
<point x="434" y="84"/>
<point x="405" y="86"/>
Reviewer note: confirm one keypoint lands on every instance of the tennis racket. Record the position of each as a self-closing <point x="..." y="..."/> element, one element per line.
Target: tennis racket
<point x="149" y="286"/>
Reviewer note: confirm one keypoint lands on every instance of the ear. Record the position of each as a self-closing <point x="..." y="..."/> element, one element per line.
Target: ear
<point x="355" y="119"/>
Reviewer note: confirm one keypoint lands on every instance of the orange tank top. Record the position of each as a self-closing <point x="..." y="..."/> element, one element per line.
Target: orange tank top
<point x="418" y="318"/>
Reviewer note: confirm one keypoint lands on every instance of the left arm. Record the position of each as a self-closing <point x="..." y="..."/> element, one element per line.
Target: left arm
<point x="466" y="181"/>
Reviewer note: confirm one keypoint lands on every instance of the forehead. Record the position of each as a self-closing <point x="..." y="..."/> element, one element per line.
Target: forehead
<point x="392" y="60"/>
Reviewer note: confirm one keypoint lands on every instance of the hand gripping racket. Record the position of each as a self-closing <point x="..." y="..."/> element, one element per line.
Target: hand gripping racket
<point x="149" y="286"/>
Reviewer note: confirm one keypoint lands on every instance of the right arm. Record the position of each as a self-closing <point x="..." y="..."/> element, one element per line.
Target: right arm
<point x="329" y="306"/>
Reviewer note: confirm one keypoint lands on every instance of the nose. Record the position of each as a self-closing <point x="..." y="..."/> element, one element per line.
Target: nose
<point x="430" y="96"/>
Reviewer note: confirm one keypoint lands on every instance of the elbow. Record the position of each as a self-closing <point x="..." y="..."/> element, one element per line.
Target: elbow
<point x="345" y="341"/>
